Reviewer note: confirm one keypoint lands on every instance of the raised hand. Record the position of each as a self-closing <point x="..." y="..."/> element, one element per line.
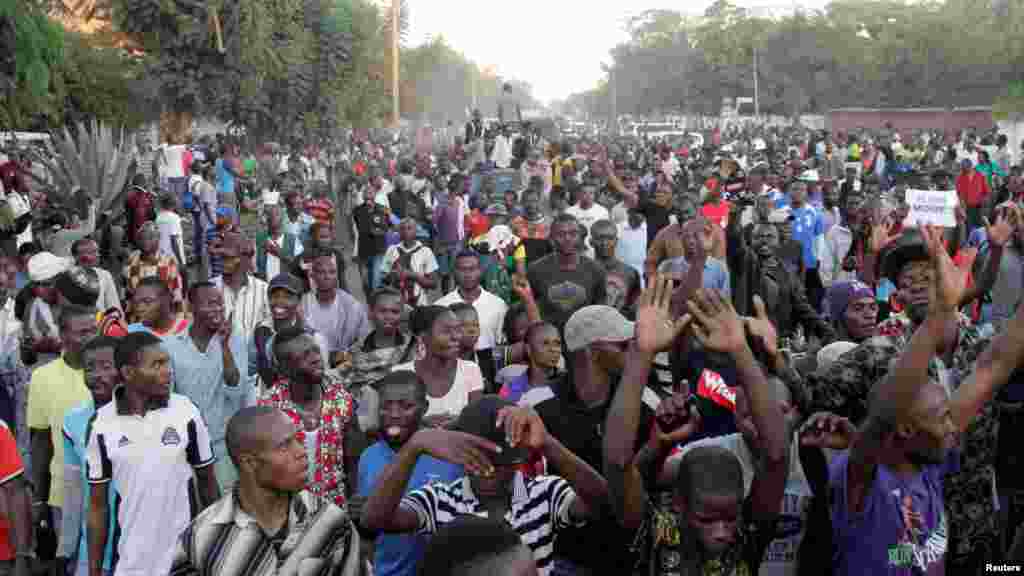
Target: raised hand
<point x="716" y="324"/>
<point x="948" y="281"/>
<point x="762" y="328"/>
<point x="521" y="286"/>
<point x="467" y="450"/>
<point x="827" y="430"/>
<point x="676" y="420"/>
<point x="880" y="236"/>
<point x="1000" y="232"/>
<point x="655" y="329"/>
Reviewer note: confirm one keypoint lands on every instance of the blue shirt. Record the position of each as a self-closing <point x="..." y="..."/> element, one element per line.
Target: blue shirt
<point x="200" y="377"/>
<point x="225" y="179"/>
<point x="807" y="225"/>
<point x="399" y="554"/>
<point x="781" y="199"/>
<point x="76" y="428"/>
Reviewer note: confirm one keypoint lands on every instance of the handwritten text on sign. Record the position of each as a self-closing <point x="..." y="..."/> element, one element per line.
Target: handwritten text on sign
<point x="935" y="207"/>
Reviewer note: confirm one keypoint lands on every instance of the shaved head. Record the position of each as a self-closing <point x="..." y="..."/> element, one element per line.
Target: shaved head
<point x="709" y="470"/>
<point x="247" y="429"/>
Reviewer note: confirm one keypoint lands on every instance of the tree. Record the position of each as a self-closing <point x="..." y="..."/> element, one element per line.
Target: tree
<point x="275" y="67"/>
<point x="31" y="45"/>
<point x="893" y="53"/>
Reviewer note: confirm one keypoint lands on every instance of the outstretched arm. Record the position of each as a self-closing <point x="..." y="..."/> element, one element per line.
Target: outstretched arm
<point x="893" y="398"/>
<point x="655" y="332"/>
<point x="991" y="372"/>
<point x="720" y="329"/>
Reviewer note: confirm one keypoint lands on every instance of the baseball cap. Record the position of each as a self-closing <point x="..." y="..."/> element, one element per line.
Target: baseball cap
<point x="596" y="323"/>
<point x="45" y="266"/>
<point x="480" y="418"/>
<point x="287" y="282"/>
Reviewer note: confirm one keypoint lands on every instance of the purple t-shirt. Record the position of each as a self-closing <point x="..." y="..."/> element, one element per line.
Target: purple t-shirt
<point x="902" y="530"/>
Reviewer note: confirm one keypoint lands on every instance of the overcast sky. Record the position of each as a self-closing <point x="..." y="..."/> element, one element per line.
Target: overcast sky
<point x="556" y="45"/>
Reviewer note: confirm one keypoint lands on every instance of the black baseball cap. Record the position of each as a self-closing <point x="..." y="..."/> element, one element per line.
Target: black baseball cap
<point x="480" y="419"/>
<point x="287" y="282"/>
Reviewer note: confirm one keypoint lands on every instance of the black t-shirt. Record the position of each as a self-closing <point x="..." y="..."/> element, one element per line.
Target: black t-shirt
<point x="657" y="218"/>
<point x="559" y="292"/>
<point x="372" y="223"/>
<point x="602" y="545"/>
<point x="536" y="248"/>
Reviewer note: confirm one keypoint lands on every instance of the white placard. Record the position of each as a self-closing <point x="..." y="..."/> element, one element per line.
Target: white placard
<point x="935" y="207"/>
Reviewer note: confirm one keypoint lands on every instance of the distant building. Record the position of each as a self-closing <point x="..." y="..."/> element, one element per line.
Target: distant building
<point x="909" y="119"/>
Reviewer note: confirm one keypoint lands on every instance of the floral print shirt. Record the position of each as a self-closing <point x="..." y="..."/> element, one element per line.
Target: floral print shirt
<point x="337" y="408"/>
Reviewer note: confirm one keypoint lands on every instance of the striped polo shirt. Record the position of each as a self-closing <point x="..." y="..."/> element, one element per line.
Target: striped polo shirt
<point x="226" y="541"/>
<point x="538" y="511"/>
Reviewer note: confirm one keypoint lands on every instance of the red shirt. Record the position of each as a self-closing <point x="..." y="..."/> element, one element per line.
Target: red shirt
<point x="11" y="467"/>
<point x="477" y="223"/>
<point x="972" y="188"/>
<point x="717" y="213"/>
<point x="141" y="205"/>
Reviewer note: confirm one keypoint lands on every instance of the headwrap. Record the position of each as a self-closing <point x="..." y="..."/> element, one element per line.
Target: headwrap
<point x="842" y="293"/>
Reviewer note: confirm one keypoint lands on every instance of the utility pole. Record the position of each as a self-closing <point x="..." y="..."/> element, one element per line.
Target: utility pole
<point x="396" y="17"/>
<point x="474" y="73"/>
<point x="614" y="122"/>
<point x="757" y="103"/>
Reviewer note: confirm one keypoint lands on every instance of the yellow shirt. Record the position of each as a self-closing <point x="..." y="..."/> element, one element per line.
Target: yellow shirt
<point x="55" y="389"/>
<point x="556" y="167"/>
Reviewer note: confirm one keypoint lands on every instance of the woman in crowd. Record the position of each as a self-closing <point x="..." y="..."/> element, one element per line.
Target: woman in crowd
<point x="452" y="383"/>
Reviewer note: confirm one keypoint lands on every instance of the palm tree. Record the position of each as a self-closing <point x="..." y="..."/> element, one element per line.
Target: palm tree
<point x="89" y="170"/>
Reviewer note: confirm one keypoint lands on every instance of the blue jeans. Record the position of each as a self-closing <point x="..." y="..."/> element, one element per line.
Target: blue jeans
<point x="373" y="276"/>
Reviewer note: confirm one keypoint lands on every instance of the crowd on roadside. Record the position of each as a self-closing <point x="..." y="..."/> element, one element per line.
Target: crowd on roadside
<point x="606" y="356"/>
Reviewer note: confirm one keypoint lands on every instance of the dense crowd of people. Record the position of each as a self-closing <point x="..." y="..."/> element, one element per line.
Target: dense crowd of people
<point x="730" y="355"/>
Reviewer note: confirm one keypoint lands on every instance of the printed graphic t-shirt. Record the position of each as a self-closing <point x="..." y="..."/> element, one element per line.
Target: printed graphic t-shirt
<point x="902" y="529"/>
<point x="559" y="293"/>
